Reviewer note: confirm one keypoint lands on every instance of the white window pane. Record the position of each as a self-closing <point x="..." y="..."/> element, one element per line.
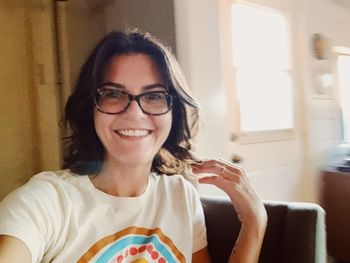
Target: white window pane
<point x="265" y="99"/>
<point x="259" y="37"/>
<point x="344" y="90"/>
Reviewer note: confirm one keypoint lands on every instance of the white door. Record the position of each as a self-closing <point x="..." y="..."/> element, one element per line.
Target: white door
<point x="273" y="160"/>
<point x="264" y="125"/>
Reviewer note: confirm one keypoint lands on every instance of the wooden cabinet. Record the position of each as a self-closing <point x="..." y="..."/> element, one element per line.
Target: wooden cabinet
<point x="335" y="199"/>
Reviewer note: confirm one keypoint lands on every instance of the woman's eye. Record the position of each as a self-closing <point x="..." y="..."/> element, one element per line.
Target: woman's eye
<point x="114" y="94"/>
<point x="155" y="96"/>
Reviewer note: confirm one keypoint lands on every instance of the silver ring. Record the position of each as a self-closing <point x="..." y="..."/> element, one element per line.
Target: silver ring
<point x="223" y="168"/>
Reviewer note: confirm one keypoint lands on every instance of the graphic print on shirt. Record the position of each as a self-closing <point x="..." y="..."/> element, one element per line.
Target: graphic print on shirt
<point x="134" y="245"/>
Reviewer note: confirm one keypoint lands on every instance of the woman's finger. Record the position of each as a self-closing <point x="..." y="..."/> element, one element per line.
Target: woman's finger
<point x="220" y="168"/>
<point x="212" y="163"/>
<point x="214" y="168"/>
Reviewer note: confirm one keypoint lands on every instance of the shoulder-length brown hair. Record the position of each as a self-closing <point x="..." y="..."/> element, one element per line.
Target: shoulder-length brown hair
<point x="84" y="151"/>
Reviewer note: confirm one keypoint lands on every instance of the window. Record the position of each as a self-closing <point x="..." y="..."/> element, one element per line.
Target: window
<point x="261" y="63"/>
<point x="344" y="94"/>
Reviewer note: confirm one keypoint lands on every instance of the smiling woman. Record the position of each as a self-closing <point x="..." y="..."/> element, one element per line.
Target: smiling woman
<point x="132" y="120"/>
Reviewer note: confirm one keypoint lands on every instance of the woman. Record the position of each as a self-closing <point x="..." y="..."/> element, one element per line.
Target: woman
<point x="132" y="120"/>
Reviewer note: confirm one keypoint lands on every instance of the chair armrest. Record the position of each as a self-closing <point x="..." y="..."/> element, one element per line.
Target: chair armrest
<point x="295" y="232"/>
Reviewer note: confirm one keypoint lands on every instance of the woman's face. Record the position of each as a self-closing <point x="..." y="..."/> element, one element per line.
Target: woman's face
<point x="132" y="138"/>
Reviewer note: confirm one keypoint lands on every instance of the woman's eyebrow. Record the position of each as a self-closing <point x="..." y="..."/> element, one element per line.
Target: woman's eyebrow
<point x="113" y="84"/>
<point x="146" y="87"/>
<point x="153" y="86"/>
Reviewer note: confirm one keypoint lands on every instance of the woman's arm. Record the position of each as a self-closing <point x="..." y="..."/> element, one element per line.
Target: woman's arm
<point x="248" y="245"/>
<point x="13" y="250"/>
<point x="248" y="205"/>
<point x="201" y="256"/>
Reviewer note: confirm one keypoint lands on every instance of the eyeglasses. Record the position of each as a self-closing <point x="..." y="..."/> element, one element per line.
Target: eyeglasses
<point x="112" y="100"/>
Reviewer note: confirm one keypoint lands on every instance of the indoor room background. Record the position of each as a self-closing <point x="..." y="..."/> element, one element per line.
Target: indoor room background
<point x="44" y="42"/>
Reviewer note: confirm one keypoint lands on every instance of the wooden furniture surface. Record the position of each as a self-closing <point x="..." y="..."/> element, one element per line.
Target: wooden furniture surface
<point x="335" y="199"/>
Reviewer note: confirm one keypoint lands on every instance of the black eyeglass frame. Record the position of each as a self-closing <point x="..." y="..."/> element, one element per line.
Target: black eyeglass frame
<point x="168" y="96"/>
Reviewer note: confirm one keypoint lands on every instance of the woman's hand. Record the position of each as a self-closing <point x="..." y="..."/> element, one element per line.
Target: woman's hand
<point x="249" y="206"/>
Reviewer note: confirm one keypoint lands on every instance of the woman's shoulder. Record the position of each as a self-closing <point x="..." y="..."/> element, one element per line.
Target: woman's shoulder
<point x="46" y="185"/>
<point x="53" y="175"/>
<point x="52" y="179"/>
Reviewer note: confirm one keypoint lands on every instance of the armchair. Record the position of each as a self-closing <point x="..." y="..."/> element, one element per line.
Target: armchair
<point x="295" y="232"/>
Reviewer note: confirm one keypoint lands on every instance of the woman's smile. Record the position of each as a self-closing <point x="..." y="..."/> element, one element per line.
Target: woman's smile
<point x="133" y="135"/>
<point x="133" y="132"/>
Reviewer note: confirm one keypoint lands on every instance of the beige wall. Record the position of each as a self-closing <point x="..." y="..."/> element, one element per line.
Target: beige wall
<point x="332" y="20"/>
<point x="18" y="145"/>
<point x="84" y="28"/>
<point x="154" y="16"/>
<point x="29" y="133"/>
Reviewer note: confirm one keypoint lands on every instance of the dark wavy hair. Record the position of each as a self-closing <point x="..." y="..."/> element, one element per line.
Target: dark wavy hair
<point x="84" y="152"/>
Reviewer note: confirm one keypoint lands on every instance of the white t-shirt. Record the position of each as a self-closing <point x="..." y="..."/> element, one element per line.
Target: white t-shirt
<point x="63" y="218"/>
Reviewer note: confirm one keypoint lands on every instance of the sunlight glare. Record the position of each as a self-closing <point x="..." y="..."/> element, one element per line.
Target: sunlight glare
<point x="261" y="59"/>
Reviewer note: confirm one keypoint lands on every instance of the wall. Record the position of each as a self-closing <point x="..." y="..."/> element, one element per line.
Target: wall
<point x="84" y="28"/>
<point x="198" y="48"/>
<point x="16" y="135"/>
<point x="44" y="84"/>
<point x="156" y="17"/>
<point x="29" y="132"/>
<point x="333" y="21"/>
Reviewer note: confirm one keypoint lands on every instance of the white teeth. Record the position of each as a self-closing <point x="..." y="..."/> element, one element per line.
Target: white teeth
<point x="134" y="133"/>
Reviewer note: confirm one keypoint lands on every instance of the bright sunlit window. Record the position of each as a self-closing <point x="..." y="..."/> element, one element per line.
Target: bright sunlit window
<point x="260" y="44"/>
<point x="344" y="92"/>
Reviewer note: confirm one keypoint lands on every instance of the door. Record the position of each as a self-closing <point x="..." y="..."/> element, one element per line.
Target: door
<point x="273" y="164"/>
<point x="264" y="127"/>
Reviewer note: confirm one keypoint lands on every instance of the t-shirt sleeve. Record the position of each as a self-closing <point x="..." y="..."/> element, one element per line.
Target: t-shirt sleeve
<point x="28" y="214"/>
<point x="198" y="221"/>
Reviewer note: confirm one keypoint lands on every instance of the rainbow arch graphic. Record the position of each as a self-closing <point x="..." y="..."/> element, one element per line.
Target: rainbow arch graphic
<point x="134" y="245"/>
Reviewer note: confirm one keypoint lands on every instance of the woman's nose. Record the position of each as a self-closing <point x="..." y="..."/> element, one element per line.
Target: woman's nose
<point x="134" y="109"/>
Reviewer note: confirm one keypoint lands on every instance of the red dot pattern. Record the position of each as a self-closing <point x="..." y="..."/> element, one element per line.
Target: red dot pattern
<point x="154" y="255"/>
<point x="132" y="251"/>
<point x="141" y="249"/>
<point x="150" y="248"/>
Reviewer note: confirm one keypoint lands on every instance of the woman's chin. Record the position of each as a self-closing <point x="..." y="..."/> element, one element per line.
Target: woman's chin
<point x="133" y="160"/>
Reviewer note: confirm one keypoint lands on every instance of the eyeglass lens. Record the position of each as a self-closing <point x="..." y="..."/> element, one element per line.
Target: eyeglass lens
<point x="113" y="101"/>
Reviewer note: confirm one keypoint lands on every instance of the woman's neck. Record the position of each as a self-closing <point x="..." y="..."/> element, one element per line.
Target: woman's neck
<point x="122" y="180"/>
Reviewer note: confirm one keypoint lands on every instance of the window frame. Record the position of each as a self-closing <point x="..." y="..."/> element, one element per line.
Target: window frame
<point x="229" y="76"/>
